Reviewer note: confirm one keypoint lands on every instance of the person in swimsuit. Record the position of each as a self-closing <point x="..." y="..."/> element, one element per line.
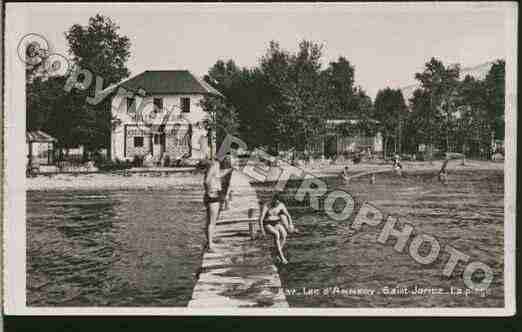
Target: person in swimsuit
<point x="345" y="175"/>
<point x="397" y="166"/>
<point x="227" y="190"/>
<point x="212" y="198"/>
<point x="276" y="220"/>
<point x="443" y="173"/>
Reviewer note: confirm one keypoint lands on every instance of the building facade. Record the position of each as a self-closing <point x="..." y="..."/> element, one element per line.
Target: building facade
<point x="158" y="113"/>
<point x="337" y="142"/>
<point x="39" y="147"/>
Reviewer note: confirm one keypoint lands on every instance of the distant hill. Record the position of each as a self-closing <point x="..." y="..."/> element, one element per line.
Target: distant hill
<point x="478" y="72"/>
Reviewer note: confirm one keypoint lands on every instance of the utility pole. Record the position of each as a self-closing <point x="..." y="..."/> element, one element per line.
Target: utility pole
<point x="430" y="148"/>
<point x="400" y="131"/>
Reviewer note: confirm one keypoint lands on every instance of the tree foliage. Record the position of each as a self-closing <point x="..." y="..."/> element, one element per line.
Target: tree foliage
<point x="495" y="83"/>
<point x="99" y="48"/>
<point x="285" y="101"/>
<point x="390" y="110"/>
<point x="222" y="117"/>
<point x="453" y="114"/>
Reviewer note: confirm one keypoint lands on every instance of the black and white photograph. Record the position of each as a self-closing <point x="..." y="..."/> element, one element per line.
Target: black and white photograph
<point x="307" y="159"/>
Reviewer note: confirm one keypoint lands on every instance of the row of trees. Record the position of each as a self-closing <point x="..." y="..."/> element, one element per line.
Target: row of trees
<point x="284" y="101"/>
<point x="446" y="112"/>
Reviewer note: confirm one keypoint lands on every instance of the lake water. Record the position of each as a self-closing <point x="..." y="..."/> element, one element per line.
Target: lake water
<point x="143" y="248"/>
<point x="467" y="214"/>
<point x="113" y="248"/>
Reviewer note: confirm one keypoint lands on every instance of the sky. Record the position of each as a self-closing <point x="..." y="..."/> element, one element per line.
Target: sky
<point x="387" y="43"/>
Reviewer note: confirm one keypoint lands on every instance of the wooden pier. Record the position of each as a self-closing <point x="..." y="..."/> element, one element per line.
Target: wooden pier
<point x="240" y="273"/>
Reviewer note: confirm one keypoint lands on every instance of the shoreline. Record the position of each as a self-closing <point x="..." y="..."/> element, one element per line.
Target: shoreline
<point x="152" y="181"/>
<point x="110" y="181"/>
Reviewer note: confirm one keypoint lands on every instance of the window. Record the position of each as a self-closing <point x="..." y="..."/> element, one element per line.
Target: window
<point x="131" y="104"/>
<point x="138" y="141"/>
<point x="158" y="104"/>
<point x="185" y="105"/>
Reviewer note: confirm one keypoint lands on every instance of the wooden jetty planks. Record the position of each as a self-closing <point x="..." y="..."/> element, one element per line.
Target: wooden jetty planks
<point x="239" y="273"/>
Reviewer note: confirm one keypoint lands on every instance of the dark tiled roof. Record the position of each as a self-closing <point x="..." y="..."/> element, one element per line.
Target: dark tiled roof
<point x="167" y="82"/>
<point x="39" y="136"/>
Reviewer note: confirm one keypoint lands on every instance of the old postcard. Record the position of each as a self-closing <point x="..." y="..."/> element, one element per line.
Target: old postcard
<point x="325" y="159"/>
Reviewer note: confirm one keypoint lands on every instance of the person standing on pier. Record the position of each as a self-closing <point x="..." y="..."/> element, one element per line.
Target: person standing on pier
<point x="213" y="197"/>
<point x="227" y="190"/>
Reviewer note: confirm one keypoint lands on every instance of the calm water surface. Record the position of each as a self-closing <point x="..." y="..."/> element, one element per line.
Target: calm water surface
<point x="143" y="248"/>
<point x="467" y="214"/>
<point x="113" y="248"/>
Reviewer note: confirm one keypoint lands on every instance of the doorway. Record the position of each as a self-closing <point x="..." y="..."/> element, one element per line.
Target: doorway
<point x="158" y="144"/>
<point x="330" y="144"/>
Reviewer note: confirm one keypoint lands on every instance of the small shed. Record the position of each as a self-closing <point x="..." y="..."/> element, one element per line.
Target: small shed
<point x="40" y="147"/>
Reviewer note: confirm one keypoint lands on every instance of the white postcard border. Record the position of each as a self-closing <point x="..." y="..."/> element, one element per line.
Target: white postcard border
<point x="14" y="228"/>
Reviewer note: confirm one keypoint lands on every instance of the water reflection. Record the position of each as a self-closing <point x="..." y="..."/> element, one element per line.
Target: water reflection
<point x="467" y="214"/>
<point x="113" y="248"/>
<point x="143" y="248"/>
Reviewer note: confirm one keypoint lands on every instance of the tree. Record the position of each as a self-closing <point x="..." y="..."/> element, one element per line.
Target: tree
<point x="222" y="75"/>
<point x="284" y="102"/>
<point x="495" y="90"/>
<point x="298" y="99"/>
<point x="222" y="117"/>
<point x="440" y="83"/>
<point x="481" y="105"/>
<point x="416" y="128"/>
<point x="389" y="110"/>
<point x="340" y="88"/>
<point x="66" y="115"/>
<point x="63" y="115"/>
<point x="473" y="117"/>
<point x="99" y="48"/>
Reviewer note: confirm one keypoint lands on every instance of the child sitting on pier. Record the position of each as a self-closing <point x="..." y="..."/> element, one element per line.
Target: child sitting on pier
<point x="276" y="220"/>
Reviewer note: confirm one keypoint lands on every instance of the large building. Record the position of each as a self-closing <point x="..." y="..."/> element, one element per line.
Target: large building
<point x="338" y="142"/>
<point x="158" y="113"/>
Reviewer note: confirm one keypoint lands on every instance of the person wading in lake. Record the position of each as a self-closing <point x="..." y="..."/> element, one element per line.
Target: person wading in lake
<point x="443" y="173"/>
<point x="344" y="174"/>
<point x="213" y="198"/>
<point x="276" y="220"/>
<point x="397" y="166"/>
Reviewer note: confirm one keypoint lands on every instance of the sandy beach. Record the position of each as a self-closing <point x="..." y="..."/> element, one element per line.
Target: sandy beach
<point x="112" y="181"/>
<point x="153" y="180"/>
<point x="377" y="166"/>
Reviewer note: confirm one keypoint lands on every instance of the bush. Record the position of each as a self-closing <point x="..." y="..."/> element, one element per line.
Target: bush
<point x="454" y="155"/>
<point x="187" y="162"/>
<point x="202" y="164"/>
<point x="117" y="165"/>
<point x="137" y="161"/>
<point x="99" y="159"/>
<point x="166" y="161"/>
